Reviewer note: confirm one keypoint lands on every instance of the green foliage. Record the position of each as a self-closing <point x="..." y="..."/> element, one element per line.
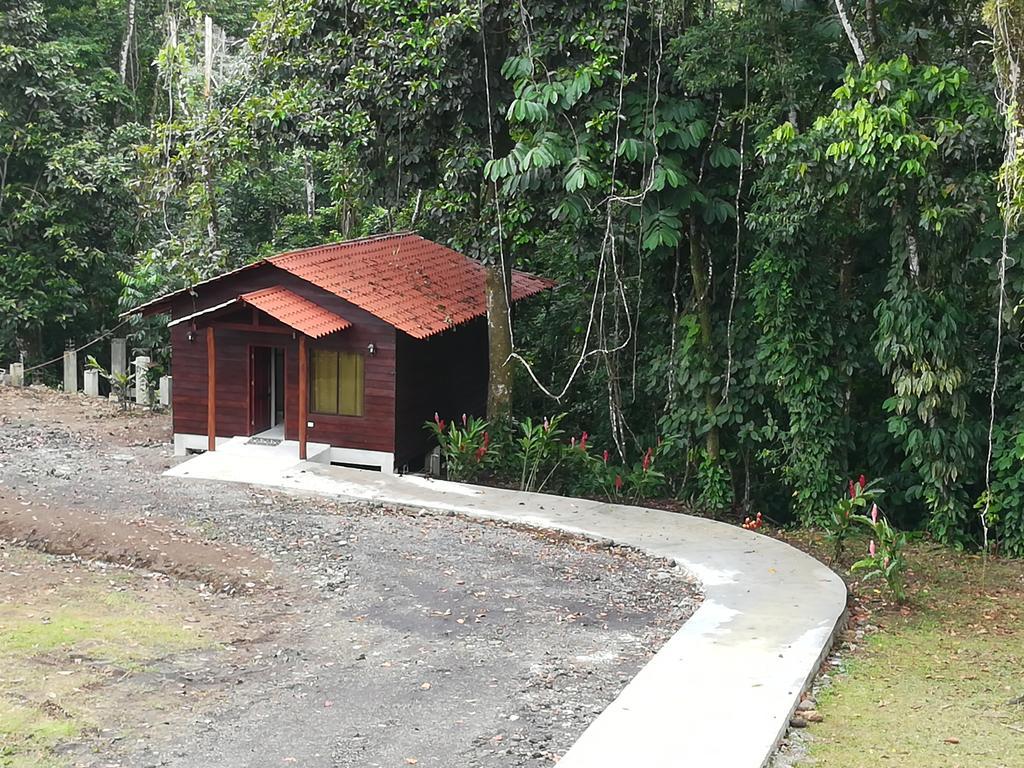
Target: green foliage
<point x="466" y="449"/>
<point x="841" y="520"/>
<point x="65" y="164"/>
<point x="780" y="257"/>
<point x="885" y="559"/>
<point x="119" y="382"/>
<point x="538" y="452"/>
<point x="1006" y="500"/>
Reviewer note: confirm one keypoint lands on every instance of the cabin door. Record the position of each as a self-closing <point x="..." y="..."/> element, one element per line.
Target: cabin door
<point x="261" y="372"/>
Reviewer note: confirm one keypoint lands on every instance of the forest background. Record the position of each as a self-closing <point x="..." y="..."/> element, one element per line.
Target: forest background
<point x="784" y="231"/>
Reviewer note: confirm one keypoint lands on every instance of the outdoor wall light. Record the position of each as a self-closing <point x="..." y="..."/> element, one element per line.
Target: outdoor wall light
<point x="371" y="349"/>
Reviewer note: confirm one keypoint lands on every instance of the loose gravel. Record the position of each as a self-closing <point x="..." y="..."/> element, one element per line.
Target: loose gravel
<point x="394" y="637"/>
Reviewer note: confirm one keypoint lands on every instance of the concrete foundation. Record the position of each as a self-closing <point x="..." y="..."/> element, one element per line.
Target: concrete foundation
<point x="141" y="380"/>
<point x="92" y="383"/>
<point x="70" y="370"/>
<point x="165" y="391"/>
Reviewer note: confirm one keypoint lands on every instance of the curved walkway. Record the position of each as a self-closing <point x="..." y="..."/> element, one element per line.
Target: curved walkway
<point x="721" y="691"/>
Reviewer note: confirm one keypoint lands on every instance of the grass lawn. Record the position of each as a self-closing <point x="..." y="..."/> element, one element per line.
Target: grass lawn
<point x="940" y="684"/>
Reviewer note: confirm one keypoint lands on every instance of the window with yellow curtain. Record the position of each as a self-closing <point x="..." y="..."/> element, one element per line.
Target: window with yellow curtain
<point x="336" y="382"/>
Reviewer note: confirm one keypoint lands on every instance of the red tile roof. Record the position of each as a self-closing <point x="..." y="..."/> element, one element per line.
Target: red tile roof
<point x="414" y="284"/>
<point x="296" y="312"/>
<point x="418" y="286"/>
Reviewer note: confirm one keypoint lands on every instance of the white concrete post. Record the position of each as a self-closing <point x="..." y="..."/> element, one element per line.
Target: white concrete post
<point x="141" y="382"/>
<point x="70" y="370"/>
<point x="17" y="374"/>
<point x="118" y="356"/>
<point x="165" y="391"/>
<point x="92" y="383"/>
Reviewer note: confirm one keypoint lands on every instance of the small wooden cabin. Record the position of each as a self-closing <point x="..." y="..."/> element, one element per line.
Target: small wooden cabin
<point x="348" y="348"/>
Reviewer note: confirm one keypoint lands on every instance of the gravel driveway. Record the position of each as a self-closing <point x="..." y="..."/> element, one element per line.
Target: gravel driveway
<point x="393" y="637"/>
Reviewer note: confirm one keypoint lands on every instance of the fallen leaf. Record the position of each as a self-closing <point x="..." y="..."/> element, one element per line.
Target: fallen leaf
<point x="952" y="740"/>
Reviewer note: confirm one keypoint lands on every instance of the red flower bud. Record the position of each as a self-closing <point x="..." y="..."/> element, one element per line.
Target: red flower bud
<point x="618" y="482"/>
<point x="605" y="455"/>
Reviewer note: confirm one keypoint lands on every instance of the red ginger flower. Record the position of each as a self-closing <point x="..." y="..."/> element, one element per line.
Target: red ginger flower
<point x="583" y="441"/>
<point x="618" y="482"/>
<point x="605" y="455"/>
<point x="647" y="459"/>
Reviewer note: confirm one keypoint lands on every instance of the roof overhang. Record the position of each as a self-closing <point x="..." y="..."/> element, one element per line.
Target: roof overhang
<point x="201" y="312"/>
<point x="295" y="311"/>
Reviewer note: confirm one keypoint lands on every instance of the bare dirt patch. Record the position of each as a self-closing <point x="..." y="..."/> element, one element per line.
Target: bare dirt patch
<point x="388" y="635"/>
<point x="89" y="418"/>
<point x="80" y="647"/>
<point x="154" y="544"/>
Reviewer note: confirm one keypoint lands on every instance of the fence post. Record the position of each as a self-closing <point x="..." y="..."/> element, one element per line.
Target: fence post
<point x="141" y="380"/>
<point x="70" y="370"/>
<point x="165" y="391"/>
<point x="17" y="374"/>
<point x="118" y="356"/>
<point x="92" y="383"/>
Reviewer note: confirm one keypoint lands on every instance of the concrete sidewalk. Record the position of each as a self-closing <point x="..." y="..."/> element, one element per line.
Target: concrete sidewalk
<point x="720" y="693"/>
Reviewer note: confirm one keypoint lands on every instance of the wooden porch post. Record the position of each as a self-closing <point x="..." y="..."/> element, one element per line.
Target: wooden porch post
<point x="303" y="395"/>
<point x="211" y="390"/>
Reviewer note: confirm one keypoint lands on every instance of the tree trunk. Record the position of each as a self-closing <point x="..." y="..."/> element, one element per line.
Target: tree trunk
<point x="851" y="33"/>
<point x="702" y="302"/>
<point x="307" y="168"/>
<point x="871" y="11"/>
<point x="126" y="46"/>
<point x="499" y="345"/>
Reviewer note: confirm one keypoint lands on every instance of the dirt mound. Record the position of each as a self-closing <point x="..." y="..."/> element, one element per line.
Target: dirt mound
<point x="153" y="544"/>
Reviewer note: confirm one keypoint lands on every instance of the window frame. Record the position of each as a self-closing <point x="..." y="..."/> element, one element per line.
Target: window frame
<point x="337" y="353"/>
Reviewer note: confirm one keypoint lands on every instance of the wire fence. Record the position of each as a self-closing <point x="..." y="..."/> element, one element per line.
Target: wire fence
<point x="104" y="335"/>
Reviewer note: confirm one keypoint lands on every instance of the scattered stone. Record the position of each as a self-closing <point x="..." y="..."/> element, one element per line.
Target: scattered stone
<point x="806" y="705"/>
<point x="797" y="722"/>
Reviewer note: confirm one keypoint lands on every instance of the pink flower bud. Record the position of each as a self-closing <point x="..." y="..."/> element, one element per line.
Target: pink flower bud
<point x="874" y="513"/>
<point x="871" y="547"/>
<point x="583" y="441"/>
<point x="463" y="419"/>
<point x="572" y="441"/>
<point x="605" y="454"/>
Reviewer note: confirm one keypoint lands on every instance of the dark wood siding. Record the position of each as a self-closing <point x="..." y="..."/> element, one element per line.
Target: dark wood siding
<point x="446" y="373"/>
<point x="374" y="431"/>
